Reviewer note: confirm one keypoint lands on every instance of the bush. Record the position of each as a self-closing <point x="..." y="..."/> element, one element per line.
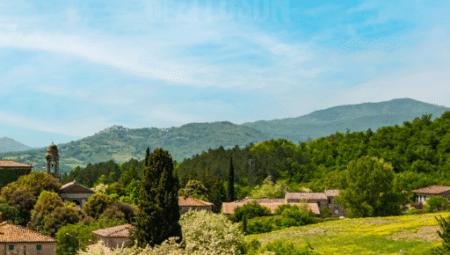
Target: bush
<point x="249" y="210"/>
<point x="325" y="212"/>
<point x="436" y="203"/>
<point x="282" y="247"/>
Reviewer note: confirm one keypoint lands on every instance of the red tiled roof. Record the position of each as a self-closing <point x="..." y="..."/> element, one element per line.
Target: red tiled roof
<point x="190" y="201"/>
<point x="10" y="233"/>
<point x="261" y="200"/>
<point x="432" y="190"/>
<point x="117" y="231"/>
<point x="74" y="187"/>
<point x="305" y="195"/>
<point x="228" y="208"/>
<point x="331" y="192"/>
<point x="14" y="164"/>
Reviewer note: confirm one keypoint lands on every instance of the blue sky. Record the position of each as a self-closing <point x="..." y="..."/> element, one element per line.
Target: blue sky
<point x="72" y="68"/>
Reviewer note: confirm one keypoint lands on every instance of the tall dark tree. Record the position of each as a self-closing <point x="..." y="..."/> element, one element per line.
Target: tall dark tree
<point x="207" y="179"/>
<point x="230" y="192"/>
<point x="184" y="178"/>
<point x="158" y="214"/>
<point x="217" y="194"/>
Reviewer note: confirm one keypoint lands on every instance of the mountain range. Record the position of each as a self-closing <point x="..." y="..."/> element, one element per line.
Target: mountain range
<point x="120" y="144"/>
<point x="11" y="145"/>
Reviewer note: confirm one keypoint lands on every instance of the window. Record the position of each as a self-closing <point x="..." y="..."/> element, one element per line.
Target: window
<point x="10" y="247"/>
<point x="38" y="247"/>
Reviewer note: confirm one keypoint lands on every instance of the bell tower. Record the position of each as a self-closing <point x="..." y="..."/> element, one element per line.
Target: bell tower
<point x="52" y="159"/>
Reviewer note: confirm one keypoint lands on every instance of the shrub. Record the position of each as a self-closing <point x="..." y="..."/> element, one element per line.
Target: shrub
<point x="282" y="247"/>
<point x="325" y="212"/>
<point x="250" y="210"/>
<point x="436" y="203"/>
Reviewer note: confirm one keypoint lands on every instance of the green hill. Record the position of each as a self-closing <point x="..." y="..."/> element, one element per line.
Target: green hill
<point x="120" y="144"/>
<point x="357" y="117"/>
<point x="10" y="145"/>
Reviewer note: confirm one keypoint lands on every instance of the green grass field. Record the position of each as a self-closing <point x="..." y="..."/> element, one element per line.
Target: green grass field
<point x="413" y="234"/>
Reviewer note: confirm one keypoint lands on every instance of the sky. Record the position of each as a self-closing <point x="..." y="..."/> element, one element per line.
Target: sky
<point x="69" y="69"/>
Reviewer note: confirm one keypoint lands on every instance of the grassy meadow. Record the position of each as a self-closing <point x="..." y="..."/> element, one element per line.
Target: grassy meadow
<point x="411" y="234"/>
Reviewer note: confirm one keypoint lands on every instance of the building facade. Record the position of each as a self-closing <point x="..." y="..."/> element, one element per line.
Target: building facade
<point x="186" y="202"/>
<point x="421" y="195"/>
<point x="76" y="193"/>
<point x="18" y="240"/>
<point x="315" y="201"/>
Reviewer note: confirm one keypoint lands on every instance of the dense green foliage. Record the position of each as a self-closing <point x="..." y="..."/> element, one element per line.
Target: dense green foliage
<point x="358" y="117"/>
<point x="230" y="190"/>
<point x="287" y="217"/>
<point x="96" y="205"/>
<point x="158" y="214"/>
<point x="8" y="212"/>
<point x="47" y="202"/>
<point x="436" y="203"/>
<point x="249" y="211"/>
<point x="368" y="189"/>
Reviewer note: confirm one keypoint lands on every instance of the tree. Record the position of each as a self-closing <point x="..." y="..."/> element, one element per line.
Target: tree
<point x="130" y="174"/>
<point x="436" y="203"/>
<point x="249" y="211"/>
<point x="444" y="233"/>
<point x="158" y="214"/>
<point x="101" y="180"/>
<point x="195" y="187"/>
<point x="47" y="202"/>
<point x="230" y="191"/>
<point x="369" y="189"/>
<point x="8" y="212"/>
<point x="97" y="204"/>
<point x="270" y="189"/>
<point x="22" y="200"/>
<point x="36" y="182"/>
<point x="61" y="216"/>
<point x="207" y="179"/>
<point x="218" y="195"/>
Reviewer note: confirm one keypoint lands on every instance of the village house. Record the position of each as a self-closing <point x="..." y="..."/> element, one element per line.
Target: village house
<point x="421" y="195"/>
<point x="113" y="237"/>
<point x="186" y="202"/>
<point x="315" y="201"/>
<point x="18" y="240"/>
<point x="11" y="170"/>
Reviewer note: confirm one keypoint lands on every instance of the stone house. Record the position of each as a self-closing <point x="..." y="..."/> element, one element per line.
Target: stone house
<point x="271" y="203"/>
<point x="186" y="202"/>
<point x="421" y="195"/>
<point x="113" y="237"/>
<point x="11" y="170"/>
<point x="18" y="240"/>
<point x="76" y="193"/>
<point x="315" y="202"/>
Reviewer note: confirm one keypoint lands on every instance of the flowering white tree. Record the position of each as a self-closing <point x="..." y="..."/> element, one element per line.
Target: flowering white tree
<point x="203" y="233"/>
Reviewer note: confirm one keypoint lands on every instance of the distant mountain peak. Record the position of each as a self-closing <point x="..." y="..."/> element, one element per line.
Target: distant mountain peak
<point x="10" y="145"/>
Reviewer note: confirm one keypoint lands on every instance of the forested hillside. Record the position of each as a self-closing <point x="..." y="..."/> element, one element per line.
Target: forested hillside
<point x="357" y="117"/>
<point x="419" y="152"/>
<point x="121" y="144"/>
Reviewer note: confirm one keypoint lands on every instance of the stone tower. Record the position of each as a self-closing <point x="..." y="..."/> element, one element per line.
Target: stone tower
<point x="52" y="159"/>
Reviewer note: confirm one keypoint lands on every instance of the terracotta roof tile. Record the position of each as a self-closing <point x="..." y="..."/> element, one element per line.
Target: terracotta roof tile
<point x="11" y="163"/>
<point x="10" y="233"/>
<point x="74" y="187"/>
<point x="331" y="192"/>
<point x="117" y="231"/>
<point x="305" y="195"/>
<point x="190" y="201"/>
<point x="261" y="200"/>
<point x="432" y="189"/>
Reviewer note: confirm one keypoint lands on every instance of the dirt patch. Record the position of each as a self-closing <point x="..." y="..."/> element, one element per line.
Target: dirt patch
<point x="424" y="234"/>
<point x="377" y="222"/>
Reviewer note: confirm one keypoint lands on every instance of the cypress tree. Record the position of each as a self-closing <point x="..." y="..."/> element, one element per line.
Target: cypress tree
<point x="158" y="214"/>
<point x="207" y="179"/>
<point x="230" y="194"/>
<point x="217" y="194"/>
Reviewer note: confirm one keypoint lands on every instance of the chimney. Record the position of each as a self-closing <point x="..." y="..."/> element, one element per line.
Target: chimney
<point x="38" y="229"/>
<point x="29" y="225"/>
<point x="442" y="184"/>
